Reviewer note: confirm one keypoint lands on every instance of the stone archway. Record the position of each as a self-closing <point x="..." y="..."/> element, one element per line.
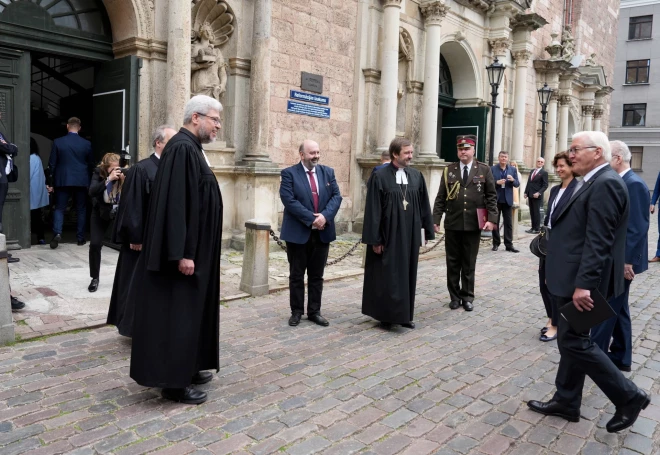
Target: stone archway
<point x="462" y="64"/>
<point x="130" y="18"/>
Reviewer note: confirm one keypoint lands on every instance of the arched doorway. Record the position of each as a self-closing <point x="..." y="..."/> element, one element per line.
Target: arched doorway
<point x="458" y="112"/>
<point x="56" y="62"/>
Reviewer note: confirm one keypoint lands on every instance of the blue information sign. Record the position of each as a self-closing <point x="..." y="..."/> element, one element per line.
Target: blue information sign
<point x="309" y="97"/>
<point x="294" y="107"/>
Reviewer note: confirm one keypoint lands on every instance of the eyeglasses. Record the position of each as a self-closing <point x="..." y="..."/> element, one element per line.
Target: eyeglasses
<point x="215" y="120"/>
<point x="577" y="149"/>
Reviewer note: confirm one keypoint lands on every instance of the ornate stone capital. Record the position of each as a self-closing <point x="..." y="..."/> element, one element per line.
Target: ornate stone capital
<point x="478" y="5"/>
<point x="565" y="100"/>
<point x="527" y="22"/>
<point x="434" y="12"/>
<point x="588" y="110"/>
<point x="522" y="57"/>
<point x="393" y="3"/>
<point x="598" y="113"/>
<point x="554" y="96"/>
<point x="500" y="45"/>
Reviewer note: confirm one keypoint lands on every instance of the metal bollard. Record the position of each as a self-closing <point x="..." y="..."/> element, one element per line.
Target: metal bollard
<point x="7" y="334"/>
<point x="254" y="277"/>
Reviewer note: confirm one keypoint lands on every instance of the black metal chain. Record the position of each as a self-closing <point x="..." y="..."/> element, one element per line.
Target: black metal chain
<point x="431" y="248"/>
<point x="277" y="239"/>
<point x="348" y="253"/>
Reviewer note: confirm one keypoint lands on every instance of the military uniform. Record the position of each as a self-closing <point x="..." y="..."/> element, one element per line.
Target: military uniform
<point x="458" y="202"/>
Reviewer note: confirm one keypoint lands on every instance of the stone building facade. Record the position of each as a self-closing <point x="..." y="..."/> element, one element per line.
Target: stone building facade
<point x="390" y="67"/>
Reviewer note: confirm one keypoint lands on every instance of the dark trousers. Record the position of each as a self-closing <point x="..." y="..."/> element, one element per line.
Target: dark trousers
<point x="37" y="223"/>
<point x="98" y="226"/>
<point x="550" y="309"/>
<point x="618" y="329"/>
<point x="4" y="189"/>
<point x="311" y="257"/>
<point x="657" y="250"/>
<point x="535" y="211"/>
<point x="504" y="210"/>
<point x="62" y="196"/>
<point x="461" y="249"/>
<point x="581" y="357"/>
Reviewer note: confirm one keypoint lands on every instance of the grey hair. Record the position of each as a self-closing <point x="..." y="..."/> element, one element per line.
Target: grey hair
<point x="622" y="148"/>
<point x="200" y="104"/>
<point x="596" y="139"/>
<point x="159" y="134"/>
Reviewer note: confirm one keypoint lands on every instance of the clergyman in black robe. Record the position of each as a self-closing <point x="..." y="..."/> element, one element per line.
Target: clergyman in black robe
<point x="129" y="228"/>
<point x="176" y="284"/>
<point x="397" y="209"/>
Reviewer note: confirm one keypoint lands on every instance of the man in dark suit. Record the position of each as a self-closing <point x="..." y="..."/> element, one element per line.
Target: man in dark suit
<point x="311" y="199"/>
<point x="536" y="186"/>
<point x="654" y="201"/>
<point x="619" y="328"/>
<point x="506" y="179"/>
<point x="586" y="252"/>
<point x="71" y="164"/>
<point x="384" y="161"/>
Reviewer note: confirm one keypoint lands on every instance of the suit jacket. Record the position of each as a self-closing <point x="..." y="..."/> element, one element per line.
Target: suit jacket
<point x="380" y="166"/>
<point x="554" y="191"/>
<point x="637" y="241"/>
<point x="656" y="191"/>
<point x="71" y="161"/>
<point x="587" y="242"/>
<point x="508" y="186"/>
<point x="296" y="195"/>
<point x="538" y="185"/>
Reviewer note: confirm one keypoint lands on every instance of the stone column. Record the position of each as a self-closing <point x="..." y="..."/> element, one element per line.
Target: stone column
<point x="389" y="73"/>
<point x="598" y="115"/>
<point x="500" y="47"/>
<point x="587" y="117"/>
<point x="178" y="60"/>
<point x="433" y="14"/>
<point x="520" y="89"/>
<point x="562" y="142"/>
<point x="551" y="132"/>
<point x="259" y="111"/>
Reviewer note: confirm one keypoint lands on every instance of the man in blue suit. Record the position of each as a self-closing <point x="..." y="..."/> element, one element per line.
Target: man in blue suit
<point x="654" y="200"/>
<point x="311" y="199"/>
<point x="384" y="161"/>
<point x="506" y="179"/>
<point x="71" y="164"/>
<point x="619" y="329"/>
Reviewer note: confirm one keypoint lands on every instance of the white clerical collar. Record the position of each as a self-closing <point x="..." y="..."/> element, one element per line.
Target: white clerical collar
<point x="624" y="172"/>
<point x="401" y="177"/>
<point x="592" y="172"/>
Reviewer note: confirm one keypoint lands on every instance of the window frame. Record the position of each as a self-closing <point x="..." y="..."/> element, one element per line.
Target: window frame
<point x="634" y="108"/>
<point x="637" y="150"/>
<point x="635" y="27"/>
<point x="637" y="68"/>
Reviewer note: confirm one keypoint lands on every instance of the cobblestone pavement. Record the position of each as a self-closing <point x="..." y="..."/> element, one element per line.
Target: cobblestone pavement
<point x="455" y="385"/>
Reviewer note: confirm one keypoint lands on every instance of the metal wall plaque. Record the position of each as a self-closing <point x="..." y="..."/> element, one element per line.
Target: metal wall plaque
<point x="294" y="107"/>
<point x="311" y="82"/>
<point x="308" y="97"/>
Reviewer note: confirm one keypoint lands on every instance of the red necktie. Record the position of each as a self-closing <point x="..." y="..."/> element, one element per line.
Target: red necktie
<point x="535" y="171"/>
<point x="315" y="192"/>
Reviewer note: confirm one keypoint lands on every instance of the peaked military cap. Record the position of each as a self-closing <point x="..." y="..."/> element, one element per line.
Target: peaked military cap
<point x="466" y="141"/>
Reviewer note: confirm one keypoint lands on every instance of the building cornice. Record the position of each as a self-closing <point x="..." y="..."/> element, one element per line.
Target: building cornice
<point x="636" y="3"/>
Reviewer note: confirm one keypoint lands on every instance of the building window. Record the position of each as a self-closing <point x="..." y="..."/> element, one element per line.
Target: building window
<point x="640" y="27"/>
<point x="634" y="114"/>
<point x="637" y="71"/>
<point x="637" y="155"/>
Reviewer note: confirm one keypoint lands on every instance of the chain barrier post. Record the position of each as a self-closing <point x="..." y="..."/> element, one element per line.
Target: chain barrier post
<point x="7" y="334"/>
<point x="254" y="276"/>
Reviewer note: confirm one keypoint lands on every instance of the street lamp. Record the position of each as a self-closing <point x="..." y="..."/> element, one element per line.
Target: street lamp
<point x="545" y="93"/>
<point x="495" y="75"/>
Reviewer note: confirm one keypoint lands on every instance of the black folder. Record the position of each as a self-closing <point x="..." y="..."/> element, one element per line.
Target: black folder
<point x="583" y="321"/>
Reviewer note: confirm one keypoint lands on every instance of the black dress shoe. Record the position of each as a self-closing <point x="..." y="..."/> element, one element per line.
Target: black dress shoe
<point x="454" y="304"/>
<point x="11" y="259"/>
<point x="495" y="247"/>
<point x="386" y="325"/>
<point x="530" y="231"/>
<point x="94" y="285"/>
<point x="544" y="337"/>
<point x="625" y="416"/>
<point x="409" y="325"/>
<point x="544" y="329"/>
<point x="16" y="304"/>
<point x="552" y="408"/>
<point x="202" y="377"/>
<point x="468" y="306"/>
<point x="186" y="395"/>
<point x="294" y="320"/>
<point x="81" y="242"/>
<point x="318" y="319"/>
<point x="624" y="368"/>
<point x="512" y="250"/>
<point x="55" y="242"/>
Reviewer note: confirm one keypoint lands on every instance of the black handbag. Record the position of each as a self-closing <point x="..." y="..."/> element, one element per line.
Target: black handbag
<point x="13" y="175"/>
<point x="539" y="244"/>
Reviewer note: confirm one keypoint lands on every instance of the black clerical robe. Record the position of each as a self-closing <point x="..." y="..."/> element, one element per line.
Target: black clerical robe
<point x="129" y="229"/>
<point x="176" y="326"/>
<point x="390" y="278"/>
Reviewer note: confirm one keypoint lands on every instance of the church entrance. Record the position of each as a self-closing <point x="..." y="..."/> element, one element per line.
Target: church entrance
<point x="56" y="62"/>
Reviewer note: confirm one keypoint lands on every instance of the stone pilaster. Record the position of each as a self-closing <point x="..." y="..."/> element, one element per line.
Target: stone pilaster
<point x="598" y="116"/>
<point x="389" y="73"/>
<point x="565" y="102"/>
<point x="587" y="117"/>
<point x="433" y="12"/>
<point x="178" y="60"/>
<point x="518" y="137"/>
<point x="551" y="131"/>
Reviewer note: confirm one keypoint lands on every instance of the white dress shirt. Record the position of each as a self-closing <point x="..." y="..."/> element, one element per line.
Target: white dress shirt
<point x="587" y="177"/>
<point x="621" y="174"/>
<point x="468" y="166"/>
<point x="316" y="179"/>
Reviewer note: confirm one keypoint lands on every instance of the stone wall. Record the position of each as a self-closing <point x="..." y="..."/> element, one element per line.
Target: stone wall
<point x="316" y="37"/>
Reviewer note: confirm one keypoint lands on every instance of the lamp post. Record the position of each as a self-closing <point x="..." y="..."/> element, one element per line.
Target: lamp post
<point x="495" y="74"/>
<point x="545" y="93"/>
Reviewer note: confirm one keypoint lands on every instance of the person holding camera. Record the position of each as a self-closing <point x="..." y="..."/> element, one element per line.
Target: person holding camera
<point x="104" y="190"/>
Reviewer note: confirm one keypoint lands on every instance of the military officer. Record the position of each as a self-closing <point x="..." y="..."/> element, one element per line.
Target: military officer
<point x="468" y="199"/>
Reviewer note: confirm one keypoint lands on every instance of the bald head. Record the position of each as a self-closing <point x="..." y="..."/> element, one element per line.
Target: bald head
<point x="309" y="153"/>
